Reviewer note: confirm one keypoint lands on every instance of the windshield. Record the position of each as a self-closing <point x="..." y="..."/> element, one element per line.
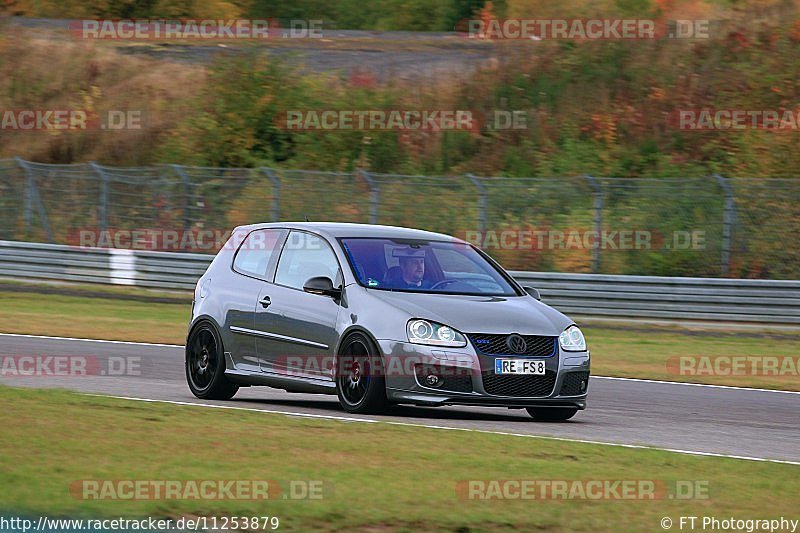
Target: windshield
<point x="424" y="266"/>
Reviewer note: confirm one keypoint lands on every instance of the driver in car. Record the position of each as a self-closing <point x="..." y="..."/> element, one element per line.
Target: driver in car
<point x="411" y="272"/>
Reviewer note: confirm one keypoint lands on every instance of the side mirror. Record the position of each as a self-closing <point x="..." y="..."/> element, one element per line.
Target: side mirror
<point x="533" y="292"/>
<point x="322" y="285"/>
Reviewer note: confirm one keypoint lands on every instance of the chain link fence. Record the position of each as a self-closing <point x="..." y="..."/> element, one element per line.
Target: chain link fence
<point x="710" y="226"/>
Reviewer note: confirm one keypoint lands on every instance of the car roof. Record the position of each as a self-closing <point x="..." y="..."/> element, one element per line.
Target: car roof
<point x="345" y="229"/>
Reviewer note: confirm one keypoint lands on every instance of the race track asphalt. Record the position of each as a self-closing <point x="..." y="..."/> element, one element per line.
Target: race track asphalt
<point x="698" y="419"/>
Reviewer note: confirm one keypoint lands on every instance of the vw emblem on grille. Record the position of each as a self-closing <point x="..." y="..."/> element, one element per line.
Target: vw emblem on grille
<point x="516" y="343"/>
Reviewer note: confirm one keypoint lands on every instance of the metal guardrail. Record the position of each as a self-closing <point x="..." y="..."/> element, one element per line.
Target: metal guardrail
<point x="56" y="262"/>
<point x="774" y="302"/>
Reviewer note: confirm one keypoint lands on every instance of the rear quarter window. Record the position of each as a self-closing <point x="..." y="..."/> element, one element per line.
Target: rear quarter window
<point x="256" y="252"/>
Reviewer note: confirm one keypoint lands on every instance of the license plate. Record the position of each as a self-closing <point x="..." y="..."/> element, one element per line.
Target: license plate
<point x="518" y="366"/>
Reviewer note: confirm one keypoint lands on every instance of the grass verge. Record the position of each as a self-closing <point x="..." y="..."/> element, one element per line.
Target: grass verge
<point x="97" y="317"/>
<point x="374" y="476"/>
<point x="616" y="351"/>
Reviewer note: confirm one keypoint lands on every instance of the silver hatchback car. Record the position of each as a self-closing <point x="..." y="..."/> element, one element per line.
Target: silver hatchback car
<point x="379" y="315"/>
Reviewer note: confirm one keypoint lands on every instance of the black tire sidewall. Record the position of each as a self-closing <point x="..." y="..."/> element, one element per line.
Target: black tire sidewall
<point x="219" y="388"/>
<point x="374" y="399"/>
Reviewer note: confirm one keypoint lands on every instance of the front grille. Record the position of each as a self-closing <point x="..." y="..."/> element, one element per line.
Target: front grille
<point x="571" y="386"/>
<point x="519" y="386"/>
<point x="453" y="379"/>
<point x="491" y="344"/>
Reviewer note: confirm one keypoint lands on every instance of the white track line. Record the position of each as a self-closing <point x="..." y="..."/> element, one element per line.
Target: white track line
<point x="697" y="384"/>
<point x="686" y="383"/>
<point x="449" y="428"/>
<point x="89" y="340"/>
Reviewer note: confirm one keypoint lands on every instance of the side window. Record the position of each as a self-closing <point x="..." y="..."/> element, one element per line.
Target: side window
<point x="306" y="256"/>
<point x="256" y="251"/>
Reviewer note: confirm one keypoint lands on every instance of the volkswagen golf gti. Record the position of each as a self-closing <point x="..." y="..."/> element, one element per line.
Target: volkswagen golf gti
<point x="379" y="315"/>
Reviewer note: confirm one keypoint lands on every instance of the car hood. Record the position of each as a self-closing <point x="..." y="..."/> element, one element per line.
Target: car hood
<point x="480" y="314"/>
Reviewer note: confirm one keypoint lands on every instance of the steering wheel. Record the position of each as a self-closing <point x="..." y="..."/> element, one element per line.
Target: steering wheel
<point x="443" y="283"/>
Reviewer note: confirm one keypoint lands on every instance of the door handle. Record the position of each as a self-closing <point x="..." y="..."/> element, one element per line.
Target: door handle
<point x="265" y="301"/>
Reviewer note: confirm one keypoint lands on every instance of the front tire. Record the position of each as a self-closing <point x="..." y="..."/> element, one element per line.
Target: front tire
<point x="551" y="414"/>
<point x="360" y="380"/>
<point x="205" y="364"/>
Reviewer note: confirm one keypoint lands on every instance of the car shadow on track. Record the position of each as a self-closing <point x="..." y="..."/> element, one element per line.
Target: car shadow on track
<point x="332" y="407"/>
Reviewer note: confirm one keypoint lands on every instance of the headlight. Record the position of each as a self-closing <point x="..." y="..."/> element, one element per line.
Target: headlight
<point x="427" y="332"/>
<point x="571" y="340"/>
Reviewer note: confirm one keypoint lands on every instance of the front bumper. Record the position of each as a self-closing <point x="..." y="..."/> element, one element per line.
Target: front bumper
<point x="467" y="377"/>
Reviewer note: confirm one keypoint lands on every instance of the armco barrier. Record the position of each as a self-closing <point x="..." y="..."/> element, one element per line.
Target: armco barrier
<point x="55" y="262"/>
<point x="775" y="302"/>
<point x="589" y="295"/>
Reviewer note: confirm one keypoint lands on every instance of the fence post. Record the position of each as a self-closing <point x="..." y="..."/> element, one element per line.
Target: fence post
<point x="187" y="195"/>
<point x="32" y="197"/>
<point x="483" y="201"/>
<point x="728" y="216"/>
<point x="103" y="223"/>
<point x="275" y="214"/>
<point x="27" y="212"/>
<point x="597" y="189"/>
<point x="373" y="196"/>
